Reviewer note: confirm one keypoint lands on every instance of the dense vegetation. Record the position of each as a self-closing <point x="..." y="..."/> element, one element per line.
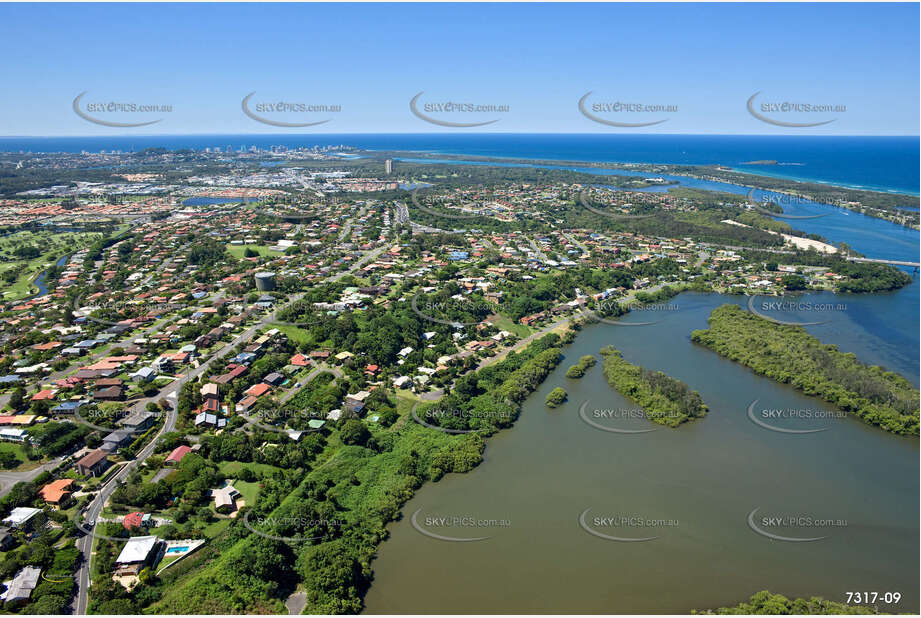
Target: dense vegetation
<point x="335" y="518"/>
<point x="792" y="356"/>
<point x="556" y="397"/>
<point x="860" y="277"/>
<point x="765" y="602"/>
<point x="666" y="401"/>
<point x="578" y="370"/>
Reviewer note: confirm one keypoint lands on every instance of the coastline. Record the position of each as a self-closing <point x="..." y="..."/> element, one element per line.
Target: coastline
<point x="621" y="165"/>
<point x="709" y="173"/>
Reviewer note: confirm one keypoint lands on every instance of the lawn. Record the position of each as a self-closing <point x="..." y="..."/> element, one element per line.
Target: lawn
<point x="231" y="468"/>
<point x="505" y="323"/>
<point x="15" y="449"/>
<point x="214" y="528"/>
<point x="52" y="246"/>
<point x="238" y="250"/>
<point x="248" y="490"/>
<point x="295" y="334"/>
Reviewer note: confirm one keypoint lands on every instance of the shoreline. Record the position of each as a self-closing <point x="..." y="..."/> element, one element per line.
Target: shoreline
<point x="706" y="173"/>
<point x="620" y="165"/>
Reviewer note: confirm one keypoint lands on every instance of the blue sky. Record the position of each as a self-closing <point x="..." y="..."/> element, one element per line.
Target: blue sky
<point x="537" y="59"/>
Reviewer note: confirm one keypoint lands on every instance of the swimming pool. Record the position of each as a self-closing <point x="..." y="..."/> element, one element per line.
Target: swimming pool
<point x="177" y="550"/>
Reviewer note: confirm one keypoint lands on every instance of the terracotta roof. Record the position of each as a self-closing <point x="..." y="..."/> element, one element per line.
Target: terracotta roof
<point x="178" y="453"/>
<point x="55" y="490"/>
<point x="133" y="520"/>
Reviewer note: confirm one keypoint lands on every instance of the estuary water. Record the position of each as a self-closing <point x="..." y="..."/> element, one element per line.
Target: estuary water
<point x="693" y="488"/>
<point x="708" y="496"/>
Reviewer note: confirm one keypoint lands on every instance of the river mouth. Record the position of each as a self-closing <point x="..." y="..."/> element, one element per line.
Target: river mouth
<point x="678" y="502"/>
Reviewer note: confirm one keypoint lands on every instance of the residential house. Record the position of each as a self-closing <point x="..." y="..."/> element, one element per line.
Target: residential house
<point x="57" y="493"/>
<point x="19" y="589"/>
<point x="177" y="454"/>
<point x="116" y="440"/>
<point x="138" y="553"/>
<point x="25" y="518"/>
<point x="225" y="499"/>
<point x="94" y="463"/>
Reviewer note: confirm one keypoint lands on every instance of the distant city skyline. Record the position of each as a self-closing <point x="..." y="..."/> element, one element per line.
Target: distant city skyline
<point x="727" y="69"/>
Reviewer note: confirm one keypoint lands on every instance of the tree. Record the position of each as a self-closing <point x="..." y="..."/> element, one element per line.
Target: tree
<point x="17" y="398"/>
<point x="8" y="460"/>
<point x="556" y="397"/>
<point x="354" y="432"/>
<point x="793" y="282"/>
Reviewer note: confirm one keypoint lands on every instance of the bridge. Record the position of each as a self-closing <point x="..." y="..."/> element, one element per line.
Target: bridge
<point x="879" y="261"/>
<point x="788" y="252"/>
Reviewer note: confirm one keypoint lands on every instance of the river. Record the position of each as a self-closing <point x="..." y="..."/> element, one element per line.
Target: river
<point x="40" y="279"/>
<point x="707" y="476"/>
<point x="871" y="236"/>
<point x="851" y="486"/>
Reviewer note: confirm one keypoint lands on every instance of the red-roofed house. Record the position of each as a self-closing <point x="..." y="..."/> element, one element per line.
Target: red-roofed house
<point x="299" y="360"/>
<point x="56" y="493"/>
<point x="245" y="404"/>
<point x="43" y="395"/>
<point x="258" y="390"/>
<point x="178" y="453"/>
<point x="135" y="520"/>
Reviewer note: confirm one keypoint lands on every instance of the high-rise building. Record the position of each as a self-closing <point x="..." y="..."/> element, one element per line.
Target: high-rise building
<point x="388" y="166"/>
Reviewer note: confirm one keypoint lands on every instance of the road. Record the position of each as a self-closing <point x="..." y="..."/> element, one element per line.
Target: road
<point x="537" y="250"/>
<point x="788" y="252"/>
<point x="8" y="479"/>
<point x="577" y="243"/>
<point x="486" y="362"/>
<point x="320" y="369"/>
<point x="347" y="228"/>
<point x="171" y="392"/>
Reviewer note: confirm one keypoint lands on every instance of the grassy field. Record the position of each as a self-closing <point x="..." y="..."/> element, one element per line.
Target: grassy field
<point x="51" y="245"/>
<point x="248" y="490"/>
<point x="15" y="449"/>
<point x="505" y="323"/>
<point x="231" y="468"/>
<point x="295" y="334"/>
<point x="237" y="250"/>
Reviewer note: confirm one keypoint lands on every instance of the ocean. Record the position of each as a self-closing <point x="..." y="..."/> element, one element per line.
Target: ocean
<point x="879" y="163"/>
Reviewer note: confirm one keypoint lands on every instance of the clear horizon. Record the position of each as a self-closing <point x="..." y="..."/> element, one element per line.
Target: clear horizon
<point x="549" y="69"/>
<point x="433" y="134"/>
